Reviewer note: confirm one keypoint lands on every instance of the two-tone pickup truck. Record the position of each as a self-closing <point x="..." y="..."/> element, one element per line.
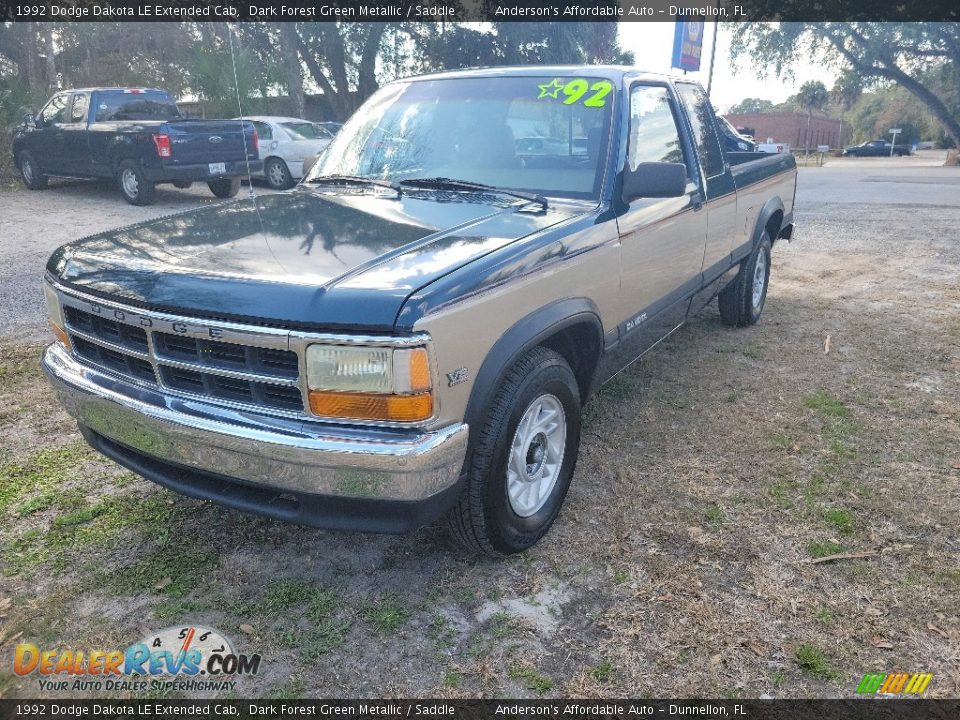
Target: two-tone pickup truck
<point x="136" y="137"/>
<point x="413" y="330"/>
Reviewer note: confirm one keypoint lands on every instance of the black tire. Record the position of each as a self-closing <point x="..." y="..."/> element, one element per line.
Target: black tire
<point x="737" y="303"/>
<point x="29" y="172"/>
<point x="224" y="187"/>
<point x="277" y="174"/>
<point x="134" y="186"/>
<point x="484" y="519"/>
<point x="182" y="184"/>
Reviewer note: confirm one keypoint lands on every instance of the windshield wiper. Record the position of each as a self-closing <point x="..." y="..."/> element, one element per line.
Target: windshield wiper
<point x="444" y="183"/>
<point x="357" y="180"/>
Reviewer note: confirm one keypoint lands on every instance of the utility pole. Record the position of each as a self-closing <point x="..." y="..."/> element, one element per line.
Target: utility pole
<point x="713" y="50"/>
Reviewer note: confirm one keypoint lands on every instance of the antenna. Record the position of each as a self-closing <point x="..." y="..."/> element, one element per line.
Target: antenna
<point x="243" y="122"/>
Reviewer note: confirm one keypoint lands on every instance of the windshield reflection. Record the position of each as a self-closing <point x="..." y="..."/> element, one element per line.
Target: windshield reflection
<point x="545" y="135"/>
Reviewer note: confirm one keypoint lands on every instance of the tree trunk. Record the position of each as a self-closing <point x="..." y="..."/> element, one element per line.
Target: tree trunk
<point x="316" y="71"/>
<point x="52" y="83"/>
<point x="367" y="78"/>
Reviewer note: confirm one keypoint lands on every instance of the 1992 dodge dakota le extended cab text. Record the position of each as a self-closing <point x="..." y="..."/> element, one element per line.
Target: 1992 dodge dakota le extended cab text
<point x="412" y="331"/>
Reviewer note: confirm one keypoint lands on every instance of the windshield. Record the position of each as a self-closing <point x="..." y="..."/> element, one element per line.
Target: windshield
<point x="306" y="131"/>
<point x="541" y="134"/>
<point x="144" y="105"/>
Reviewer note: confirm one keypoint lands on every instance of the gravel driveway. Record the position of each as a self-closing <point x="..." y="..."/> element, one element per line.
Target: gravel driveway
<point x="33" y="224"/>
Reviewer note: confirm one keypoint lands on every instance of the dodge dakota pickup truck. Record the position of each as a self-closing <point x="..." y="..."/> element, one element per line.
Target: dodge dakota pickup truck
<point x="136" y="137"/>
<point x="412" y="331"/>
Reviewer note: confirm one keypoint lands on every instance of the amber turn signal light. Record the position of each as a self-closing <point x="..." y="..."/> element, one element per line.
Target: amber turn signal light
<point x="60" y="334"/>
<point x="371" y="406"/>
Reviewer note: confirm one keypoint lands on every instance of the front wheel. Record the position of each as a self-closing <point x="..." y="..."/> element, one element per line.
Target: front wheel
<point x="523" y="459"/>
<point x="224" y="187"/>
<point x="30" y="173"/>
<point x="741" y="302"/>
<point x="134" y="186"/>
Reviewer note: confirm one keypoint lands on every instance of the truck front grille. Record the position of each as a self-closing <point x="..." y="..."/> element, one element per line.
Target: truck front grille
<point x="129" y="344"/>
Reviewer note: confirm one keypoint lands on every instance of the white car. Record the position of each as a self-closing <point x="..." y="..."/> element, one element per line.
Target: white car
<point x="284" y="144"/>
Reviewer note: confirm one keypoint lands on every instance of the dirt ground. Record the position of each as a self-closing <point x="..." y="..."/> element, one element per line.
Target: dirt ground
<point x="713" y="475"/>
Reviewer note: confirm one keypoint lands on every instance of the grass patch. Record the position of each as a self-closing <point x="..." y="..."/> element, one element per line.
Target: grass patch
<point x="441" y="631"/>
<point x="826" y="404"/>
<point x="602" y="672"/>
<point x="824" y="616"/>
<point x="452" y="679"/>
<point x="42" y="473"/>
<point x="813" y="660"/>
<point x="715" y="515"/>
<point x="81" y="516"/>
<point x="824" y="549"/>
<point x="620" y="388"/>
<point x="386" y="615"/>
<point x="531" y="678"/>
<point x="284" y="594"/>
<point x="325" y="637"/>
<point x="842" y="520"/>
<point x="38" y="503"/>
<point x="186" y="569"/>
<point x="501" y="624"/>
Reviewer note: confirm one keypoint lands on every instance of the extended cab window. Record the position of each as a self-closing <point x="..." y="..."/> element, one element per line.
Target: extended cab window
<point x="81" y="103"/>
<point x="55" y="110"/>
<point x="701" y="122"/>
<point x="542" y="134"/>
<point x="141" y="105"/>
<point x="654" y="136"/>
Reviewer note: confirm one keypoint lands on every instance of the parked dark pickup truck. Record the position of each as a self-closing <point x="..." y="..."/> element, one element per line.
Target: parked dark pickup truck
<point x="877" y="148"/>
<point x="136" y="137"/>
<point x="413" y="330"/>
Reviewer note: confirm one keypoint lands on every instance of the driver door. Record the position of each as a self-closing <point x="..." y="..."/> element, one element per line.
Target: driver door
<point x="48" y="136"/>
<point x="662" y="240"/>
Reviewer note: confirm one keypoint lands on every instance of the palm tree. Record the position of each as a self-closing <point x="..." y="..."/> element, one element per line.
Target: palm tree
<point x="812" y="96"/>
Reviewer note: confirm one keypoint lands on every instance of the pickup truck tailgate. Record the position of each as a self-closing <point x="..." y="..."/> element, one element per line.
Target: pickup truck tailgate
<point x="211" y="140"/>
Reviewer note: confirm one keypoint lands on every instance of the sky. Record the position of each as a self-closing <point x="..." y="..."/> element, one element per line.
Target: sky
<point x="652" y="44"/>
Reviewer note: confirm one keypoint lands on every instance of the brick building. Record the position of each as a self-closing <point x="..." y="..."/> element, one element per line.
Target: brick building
<point x="791" y="128"/>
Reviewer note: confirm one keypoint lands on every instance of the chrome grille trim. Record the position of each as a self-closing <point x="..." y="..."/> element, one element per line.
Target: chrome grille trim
<point x="219" y="374"/>
<point x="255" y="336"/>
<point x="224" y="372"/>
<point x="109" y="345"/>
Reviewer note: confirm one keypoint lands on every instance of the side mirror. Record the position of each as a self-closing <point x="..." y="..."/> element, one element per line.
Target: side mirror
<point x="655" y="180"/>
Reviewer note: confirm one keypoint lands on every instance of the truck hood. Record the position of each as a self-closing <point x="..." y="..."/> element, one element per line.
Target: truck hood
<point x="311" y="259"/>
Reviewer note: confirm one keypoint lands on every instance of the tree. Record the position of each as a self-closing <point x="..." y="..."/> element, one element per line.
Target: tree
<point x="751" y="105"/>
<point x="812" y="96"/>
<point x="902" y="53"/>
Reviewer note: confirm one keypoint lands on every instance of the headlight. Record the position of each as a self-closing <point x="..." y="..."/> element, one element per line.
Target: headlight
<point x="369" y="383"/>
<point x="55" y="317"/>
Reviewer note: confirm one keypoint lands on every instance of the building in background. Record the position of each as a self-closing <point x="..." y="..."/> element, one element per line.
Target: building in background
<point x="791" y="128"/>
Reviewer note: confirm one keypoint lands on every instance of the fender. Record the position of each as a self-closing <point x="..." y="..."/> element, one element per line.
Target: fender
<point x="773" y="205"/>
<point x="525" y="334"/>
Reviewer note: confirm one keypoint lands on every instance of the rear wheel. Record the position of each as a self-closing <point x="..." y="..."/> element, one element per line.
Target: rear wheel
<point x="134" y="187"/>
<point x="30" y="173"/>
<point x="523" y="460"/>
<point x="277" y="174"/>
<point x="741" y="302"/>
<point x="224" y="187"/>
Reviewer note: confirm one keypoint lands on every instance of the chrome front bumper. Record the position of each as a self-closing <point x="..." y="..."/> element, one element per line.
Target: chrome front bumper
<point x="281" y="454"/>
